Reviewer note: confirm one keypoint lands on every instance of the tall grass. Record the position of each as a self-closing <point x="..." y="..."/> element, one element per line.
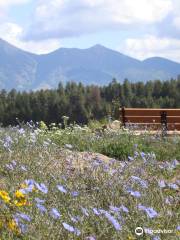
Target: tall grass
<point x="102" y="199"/>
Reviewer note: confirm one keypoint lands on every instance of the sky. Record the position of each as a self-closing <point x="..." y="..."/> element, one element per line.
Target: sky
<point x="138" y="28"/>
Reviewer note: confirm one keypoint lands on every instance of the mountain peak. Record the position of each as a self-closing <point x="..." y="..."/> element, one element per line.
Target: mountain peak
<point x="98" y="46"/>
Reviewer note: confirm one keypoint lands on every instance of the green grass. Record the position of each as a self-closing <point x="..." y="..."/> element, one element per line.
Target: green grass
<point x="42" y="155"/>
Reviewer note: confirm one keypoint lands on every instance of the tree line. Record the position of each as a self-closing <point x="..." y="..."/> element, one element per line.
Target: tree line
<point x="82" y="103"/>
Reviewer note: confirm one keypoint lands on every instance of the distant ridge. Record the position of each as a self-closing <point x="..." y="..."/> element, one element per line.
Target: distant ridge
<point x="22" y="70"/>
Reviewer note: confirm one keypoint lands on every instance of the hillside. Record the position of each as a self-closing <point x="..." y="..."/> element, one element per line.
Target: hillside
<point x="98" y="64"/>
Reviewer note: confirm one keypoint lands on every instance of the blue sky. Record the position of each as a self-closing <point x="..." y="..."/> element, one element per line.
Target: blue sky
<point x="138" y="28"/>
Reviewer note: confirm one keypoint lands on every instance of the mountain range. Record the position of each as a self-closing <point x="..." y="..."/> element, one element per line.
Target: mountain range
<point x="95" y="65"/>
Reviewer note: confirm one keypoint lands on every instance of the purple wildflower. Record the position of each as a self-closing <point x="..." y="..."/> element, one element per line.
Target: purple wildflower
<point x="178" y="228"/>
<point x="151" y="213"/>
<point x="23" y="216"/>
<point x="174" y="163"/>
<point x="161" y="183"/>
<point x="173" y="186"/>
<point x="134" y="193"/>
<point x="114" y="209"/>
<point x="75" y="219"/>
<point x="96" y="211"/>
<point x="29" y="182"/>
<point x="38" y="200"/>
<point x="142" y="182"/>
<point x="90" y="238"/>
<point x="21" y="131"/>
<point x="55" y="213"/>
<point x="42" y="187"/>
<point x="61" y="189"/>
<point x="130" y="158"/>
<point x="71" y="228"/>
<point x="23" y="168"/>
<point x="41" y="208"/>
<point x="85" y="211"/>
<point x="156" y="238"/>
<point x="111" y="219"/>
<point x="9" y="166"/>
<point x="124" y="209"/>
<point x="23" y="227"/>
<point x="74" y="193"/>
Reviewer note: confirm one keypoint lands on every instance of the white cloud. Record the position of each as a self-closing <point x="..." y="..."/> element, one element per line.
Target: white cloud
<point x="176" y="22"/>
<point x="64" y="18"/>
<point x="12" y="33"/>
<point x="5" y="3"/>
<point x="150" y="46"/>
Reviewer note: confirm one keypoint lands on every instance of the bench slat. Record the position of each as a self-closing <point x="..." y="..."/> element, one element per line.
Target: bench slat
<point x="153" y="126"/>
<point x="151" y="119"/>
<point x="150" y="112"/>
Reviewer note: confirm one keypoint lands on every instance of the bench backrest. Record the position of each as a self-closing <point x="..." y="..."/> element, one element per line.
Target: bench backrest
<point x="151" y="117"/>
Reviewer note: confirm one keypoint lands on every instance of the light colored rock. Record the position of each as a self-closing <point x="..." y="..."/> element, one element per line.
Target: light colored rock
<point x="115" y="125"/>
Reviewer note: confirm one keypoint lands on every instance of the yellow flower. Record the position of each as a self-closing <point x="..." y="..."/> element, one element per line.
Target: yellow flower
<point x="5" y="196"/>
<point x="130" y="237"/>
<point x="22" y="202"/>
<point x="23" y="185"/>
<point x="1" y="224"/>
<point x="19" y="194"/>
<point x="13" y="226"/>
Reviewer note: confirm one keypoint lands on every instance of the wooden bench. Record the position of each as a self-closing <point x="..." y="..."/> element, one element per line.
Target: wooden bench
<point x="151" y="118"/>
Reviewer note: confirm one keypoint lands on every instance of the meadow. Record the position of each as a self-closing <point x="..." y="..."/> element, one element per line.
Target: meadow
<point x="47" y="192"/>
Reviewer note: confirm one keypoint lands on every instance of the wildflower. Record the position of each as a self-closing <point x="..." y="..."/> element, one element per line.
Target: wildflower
<point x="143" y="183"/>
<point x="23" y="168"/>
<point x="156" y="238"/>
<point x="9" y="166"/>
<point x="143" y="155"/>
<point x="23" y="216"/>
<point x="61" y="189"/>
<point x="134" y="193"/>
<point x="55" y="213"/>
<point x="38" y="200"/>
<point x="96" y="211"/>
<point x="149" y="211"/>
<point x="19" y="194"/>
<point x="75" y="219"/>
<point x="124" y="209"/>
<point x="21" y="202"/>
<point x="7" y="142"/>
<point x="5" y="196"/>
<point x="114" y="209"/>
<point x="174" y="163"/>
<point x="71" y="228"/>
<point x="85" y="211"/>
<point x="69" y="146"/>
<point x="178" y="228"/>
<point x="114" y="222"/>
<point x="21" y="131"/>
<point x="41" y="208"/>
<point x="29" y="182"/>
<point x="14" y="163"/>
<point x="12" y="225"/>
<point x="130" y="158"/>
<point x="22" y="227"/>
<point x="74" y="193"/>
<point x="161" y="183"/>
<point x="90" y="238"/>
<point x="42" y="187"/>
<point x="173" y="186"/>
<point x="1" y="224"/>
